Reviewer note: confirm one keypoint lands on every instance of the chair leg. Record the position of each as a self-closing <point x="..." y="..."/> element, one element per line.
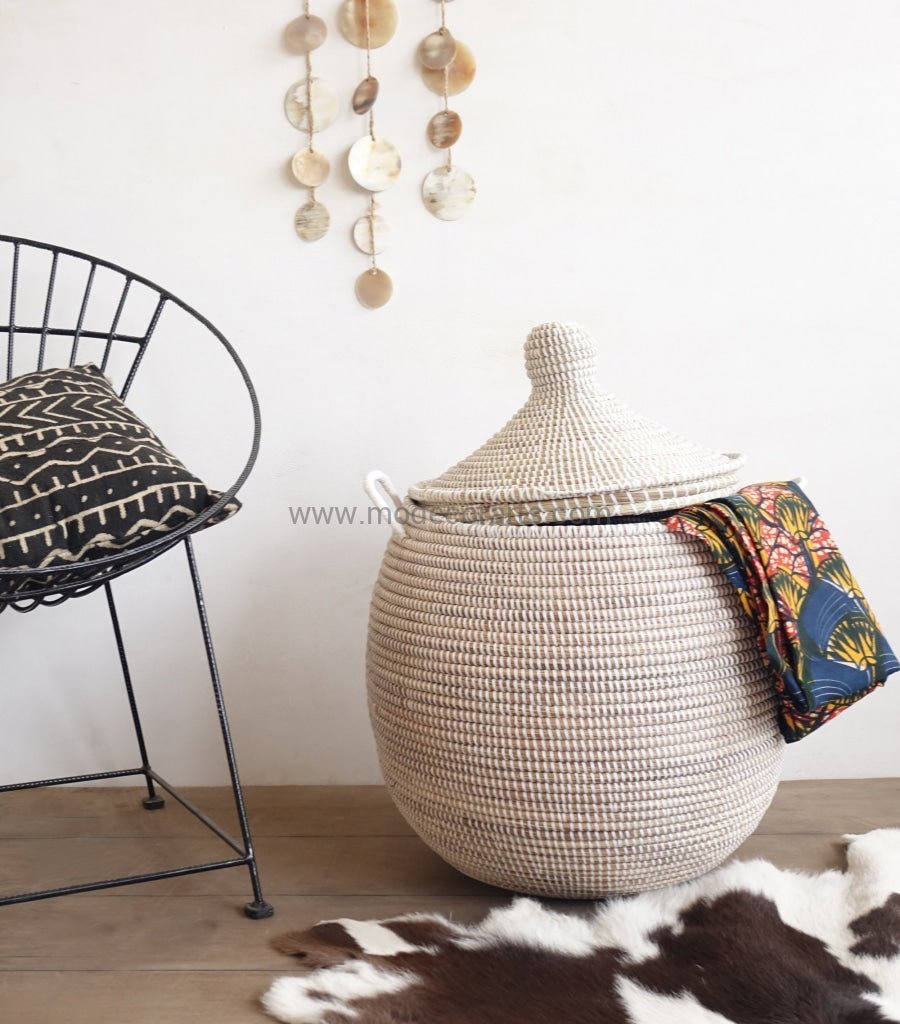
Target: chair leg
<point x="258" y="908"/>
<point x="152" y="801"/>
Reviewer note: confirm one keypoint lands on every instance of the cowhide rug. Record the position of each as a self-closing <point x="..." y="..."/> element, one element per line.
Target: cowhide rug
<point x="747" y="944"/>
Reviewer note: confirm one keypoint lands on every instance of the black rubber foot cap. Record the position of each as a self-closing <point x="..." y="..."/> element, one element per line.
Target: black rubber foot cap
<point x="154" y="803"/>
<point x="258" y="910"/>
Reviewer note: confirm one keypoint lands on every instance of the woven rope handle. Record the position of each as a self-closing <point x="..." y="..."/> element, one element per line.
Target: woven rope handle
<point x="377" y="485"/>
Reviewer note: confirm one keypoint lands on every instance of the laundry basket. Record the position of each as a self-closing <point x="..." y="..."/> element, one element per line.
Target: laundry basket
<point x="566" y="697"/>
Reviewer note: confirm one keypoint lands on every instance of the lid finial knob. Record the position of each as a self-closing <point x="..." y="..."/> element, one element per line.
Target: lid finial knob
<point x="560" y="355"/>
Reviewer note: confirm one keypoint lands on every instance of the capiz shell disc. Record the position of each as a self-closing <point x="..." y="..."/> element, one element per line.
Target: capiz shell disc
<point x="459" y="74"/>
<point x="364" y="95"/>
<point x="382" y="22"/>
<point x="437" y="50"/>
<point x="305" y="33"/>
<point x="374" y="288"/>
<point x="371" y="234"/>
<point x="444" y="129"/>
<point x="374" y="163"/>
<point x="312" y="221"/>
<point x="448" y="192"/>
<point x="310" y="167"/>
<point x="323" y="100"/>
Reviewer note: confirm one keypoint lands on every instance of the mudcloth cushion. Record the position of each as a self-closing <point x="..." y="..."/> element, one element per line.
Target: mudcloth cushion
<point x="81" y="476"/>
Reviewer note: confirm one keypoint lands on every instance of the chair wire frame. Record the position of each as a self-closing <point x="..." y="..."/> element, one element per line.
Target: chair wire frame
<point x="26" y="589"/>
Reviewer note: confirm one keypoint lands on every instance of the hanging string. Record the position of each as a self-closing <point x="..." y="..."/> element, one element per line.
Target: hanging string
<point x="310" y="117"/>
<point x="369" y="69"/>
<point x="372" y="209"/>
<point x="368" y="43"/>
<point x="310" y="120"/>
<point x="373" y="262"/>
<point x="447" y="103"/>
<point x="446" y="80"/>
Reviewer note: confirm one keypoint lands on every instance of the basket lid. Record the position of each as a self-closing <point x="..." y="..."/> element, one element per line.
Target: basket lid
<point x="574" y="451"/>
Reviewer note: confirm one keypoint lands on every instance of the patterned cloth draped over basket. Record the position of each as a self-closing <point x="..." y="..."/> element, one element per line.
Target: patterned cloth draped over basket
<point x="569" y="710"/>
<point x="814" y="624"/>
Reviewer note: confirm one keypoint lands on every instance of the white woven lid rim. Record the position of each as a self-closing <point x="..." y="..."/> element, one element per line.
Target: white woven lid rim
<point x="433" y="490"/>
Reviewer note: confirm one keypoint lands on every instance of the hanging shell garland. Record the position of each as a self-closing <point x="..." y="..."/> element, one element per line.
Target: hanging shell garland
<point x="311" y="105"/>
<point x="448" y="68"/>
<point x="373" y="162"/>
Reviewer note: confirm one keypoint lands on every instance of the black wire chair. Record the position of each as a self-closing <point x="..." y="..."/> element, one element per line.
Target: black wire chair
<point x="31" y="346"/>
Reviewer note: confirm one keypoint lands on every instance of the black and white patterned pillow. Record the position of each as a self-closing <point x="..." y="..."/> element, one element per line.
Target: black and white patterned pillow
<point x="81" y="476"/>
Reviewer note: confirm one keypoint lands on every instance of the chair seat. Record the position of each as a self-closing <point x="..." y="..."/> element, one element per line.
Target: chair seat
<point x="25" y="590"/>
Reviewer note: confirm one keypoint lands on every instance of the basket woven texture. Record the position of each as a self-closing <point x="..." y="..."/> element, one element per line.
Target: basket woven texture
<point x="568" y="711"/>
<point x="575" y="452"/>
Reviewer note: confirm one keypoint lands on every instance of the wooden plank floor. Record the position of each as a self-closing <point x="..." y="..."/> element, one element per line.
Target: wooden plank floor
<point x="181" y="952"/>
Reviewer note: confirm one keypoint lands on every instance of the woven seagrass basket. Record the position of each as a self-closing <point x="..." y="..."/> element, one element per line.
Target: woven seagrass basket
<point x="568" y="710"/>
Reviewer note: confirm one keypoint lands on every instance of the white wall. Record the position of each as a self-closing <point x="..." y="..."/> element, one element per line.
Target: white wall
<point x="711" y="185"/>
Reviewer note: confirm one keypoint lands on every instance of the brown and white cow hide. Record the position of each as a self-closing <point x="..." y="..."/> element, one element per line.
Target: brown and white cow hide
<point x="747" y="944"/>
